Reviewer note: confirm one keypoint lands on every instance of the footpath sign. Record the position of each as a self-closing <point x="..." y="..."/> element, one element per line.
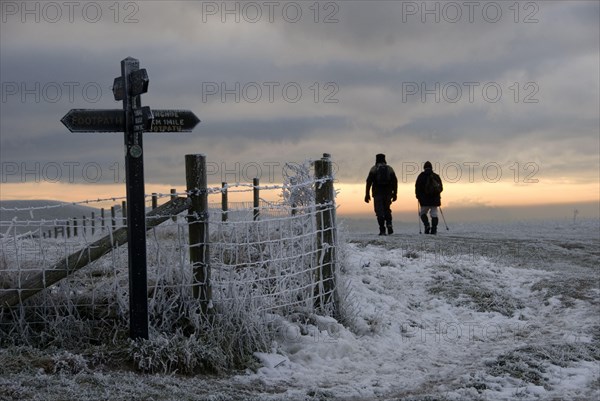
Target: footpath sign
<point x="86" y="120"/>
<point x="133" y="120"/>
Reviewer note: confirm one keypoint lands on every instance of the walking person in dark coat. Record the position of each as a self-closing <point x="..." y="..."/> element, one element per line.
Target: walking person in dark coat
<point x="428" y="188"/>
<point x="382" y="179"/>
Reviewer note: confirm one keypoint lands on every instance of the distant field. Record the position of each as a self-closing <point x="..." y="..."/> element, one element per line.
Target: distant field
<point x="27" y="215"/>
<point x="55" y="210"/>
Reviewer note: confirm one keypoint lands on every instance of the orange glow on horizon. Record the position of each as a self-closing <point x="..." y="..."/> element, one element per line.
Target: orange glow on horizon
<point x="111" y="194"/>
<point x="350" y="198"/>
<point x="351" y="195"/>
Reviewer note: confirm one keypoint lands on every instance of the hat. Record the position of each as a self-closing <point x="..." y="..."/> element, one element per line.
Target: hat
<point x="427" y="165"/>
<point x="380" y="158"/>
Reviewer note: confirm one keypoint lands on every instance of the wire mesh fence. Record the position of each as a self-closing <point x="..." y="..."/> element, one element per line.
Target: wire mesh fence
<point x="264" y="258"/>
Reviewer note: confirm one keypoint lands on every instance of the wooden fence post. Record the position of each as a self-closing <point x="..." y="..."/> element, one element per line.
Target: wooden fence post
<point x="224" y="202"/>
<point x="68" y="225"/>
<point x="93" y="223"/>
<point x="124" y="212"/>
<point x="113" y="218"/>
<point x="256" y="191"/>
<point x="84" y="228"/>
<point x="75" y="227"/>
<point x="173" y="196"/>
<point x="325" y="290"/>
<point x="195" y="173"/>
<point x="154" y="200"/>
<point x="102" y="222"/>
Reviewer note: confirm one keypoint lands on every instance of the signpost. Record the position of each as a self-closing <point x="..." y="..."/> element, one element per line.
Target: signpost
<point x="133" y="120"/>
<point x="86" y="120"/>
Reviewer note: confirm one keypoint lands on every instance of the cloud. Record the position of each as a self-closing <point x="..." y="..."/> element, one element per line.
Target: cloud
<point x="378" y="79"/>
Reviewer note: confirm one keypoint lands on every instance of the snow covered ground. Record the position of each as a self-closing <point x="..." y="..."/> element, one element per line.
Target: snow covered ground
<point x="502" y="311"/>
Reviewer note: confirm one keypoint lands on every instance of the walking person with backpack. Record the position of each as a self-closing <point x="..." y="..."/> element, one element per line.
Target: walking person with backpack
<point x="382" y="179"/>
<point x="428" y="188"/>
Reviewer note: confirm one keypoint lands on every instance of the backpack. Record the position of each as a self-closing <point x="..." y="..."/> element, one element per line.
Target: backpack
<point x="432" y="185"/>
<point x="383" y="176"/>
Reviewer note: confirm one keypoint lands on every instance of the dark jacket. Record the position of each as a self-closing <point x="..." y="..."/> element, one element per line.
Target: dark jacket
<point x="424" y="198"/>
<point x="390" y="190"/>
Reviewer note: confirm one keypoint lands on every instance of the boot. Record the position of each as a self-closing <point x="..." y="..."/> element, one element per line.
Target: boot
<point x="434" y="223"/>
<point x="381" y="223"/>
<point x="390" y="229"/>
<point x="425" y="221"/>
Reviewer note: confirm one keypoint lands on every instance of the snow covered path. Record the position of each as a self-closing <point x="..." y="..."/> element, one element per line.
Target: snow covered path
<point x="462" y="316"/>
<point x="476" y="313"/>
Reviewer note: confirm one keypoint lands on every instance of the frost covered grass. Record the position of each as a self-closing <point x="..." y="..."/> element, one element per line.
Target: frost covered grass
<point x="471" y="316"/>
<point x="262" y="271"/>
<point x="88" y="314"/>
<point x="530" y="364"/>
<point x="468" y="287"/>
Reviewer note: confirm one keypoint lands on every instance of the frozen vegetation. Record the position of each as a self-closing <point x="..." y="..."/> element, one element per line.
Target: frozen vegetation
<point x="499" y="311"/>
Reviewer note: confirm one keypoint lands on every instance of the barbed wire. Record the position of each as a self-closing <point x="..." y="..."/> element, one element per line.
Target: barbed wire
<point x="230" y="188"/>
<point x="64" y="204"/>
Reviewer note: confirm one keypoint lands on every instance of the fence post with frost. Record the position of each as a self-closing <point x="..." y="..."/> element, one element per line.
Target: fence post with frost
<point x="256" y="192"/>
<point x="173" y="196"/>
<point x="224" y="202"/>
<point x="113" y="218"/>
<point x="124" y="212"/>
<point x="325" y="290"/>
<point x="195" y="172"/>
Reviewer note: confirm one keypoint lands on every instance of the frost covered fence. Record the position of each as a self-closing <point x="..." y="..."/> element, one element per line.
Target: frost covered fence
<point x="325" y="195"/>
<point x="35" y="283"/>
<point x="195" y="175"/>
<point x="276" y="255"/>
<point x="66" y="227"/>
<point x="279" y="261"/>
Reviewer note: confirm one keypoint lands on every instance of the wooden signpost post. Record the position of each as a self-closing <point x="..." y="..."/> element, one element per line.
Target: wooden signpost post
<point x="133" y="120"/>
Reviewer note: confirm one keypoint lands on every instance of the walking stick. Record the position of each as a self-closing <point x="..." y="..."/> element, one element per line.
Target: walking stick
<point x="443" y="218"/>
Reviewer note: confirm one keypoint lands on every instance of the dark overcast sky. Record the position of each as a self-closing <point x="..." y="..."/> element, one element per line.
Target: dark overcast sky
<point x="374" y="76"/>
